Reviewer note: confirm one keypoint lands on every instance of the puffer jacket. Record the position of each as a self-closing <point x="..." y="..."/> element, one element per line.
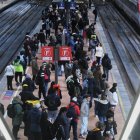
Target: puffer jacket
<point x="17" y="120"/>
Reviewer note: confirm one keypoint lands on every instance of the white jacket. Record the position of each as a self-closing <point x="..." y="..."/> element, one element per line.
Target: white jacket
<point x="112" y="98"/>
<point x="10" y="70"/>
<point x="99" y="52"/>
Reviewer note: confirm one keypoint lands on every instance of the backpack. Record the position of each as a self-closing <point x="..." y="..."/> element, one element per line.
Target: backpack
<point x="11" y="110"/>
<point x="71" y="113"/>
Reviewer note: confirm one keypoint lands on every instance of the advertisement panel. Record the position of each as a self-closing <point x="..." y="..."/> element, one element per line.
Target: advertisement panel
<point x="65" y="53"/>
<point x="47" y="53"/>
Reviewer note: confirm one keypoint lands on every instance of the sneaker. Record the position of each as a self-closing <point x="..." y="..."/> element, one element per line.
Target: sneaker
<point x="82" y="136"/>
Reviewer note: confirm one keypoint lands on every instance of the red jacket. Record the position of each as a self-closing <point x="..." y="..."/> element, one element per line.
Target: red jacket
<point x="76" y="109"/>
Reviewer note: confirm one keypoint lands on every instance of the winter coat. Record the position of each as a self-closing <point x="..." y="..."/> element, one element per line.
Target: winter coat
<point x="99" y="51"/>
<point x="64" y="121"/>
<point x="35" y="67"/>
<point x="106" y="61"/>
<point x="52" y="101"/>
<point x="27" y="123"/>
<point x="17" y="120"/>
<point x="10" y="70"/>
<point x="91" y="86"/>
<point x="18" y="66"/>
<point x="77" y="110"/>
<point x="112" y="98"/>
<point x="84" y="112"/>
<point x="102" y="106"/>
<point x="46" y="127"/>
<point x="35" y="117"/>
<point x="27" y="95"/>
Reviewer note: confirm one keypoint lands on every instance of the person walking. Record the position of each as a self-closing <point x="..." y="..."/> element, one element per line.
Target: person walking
<point x="84" y="115"/>
<point x="9" y="72"/>
<point x="18" y="116"/>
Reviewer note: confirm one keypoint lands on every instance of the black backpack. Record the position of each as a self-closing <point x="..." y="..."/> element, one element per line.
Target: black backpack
<point x="11" y="110"/>
<point x="71" y="113"/>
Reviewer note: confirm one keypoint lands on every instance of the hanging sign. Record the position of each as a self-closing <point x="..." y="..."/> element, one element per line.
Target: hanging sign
<point x="61" y="5"/>
<point x="72" y="5"/>
<point x="65" y="53"/>
<point x="47" y="53"/>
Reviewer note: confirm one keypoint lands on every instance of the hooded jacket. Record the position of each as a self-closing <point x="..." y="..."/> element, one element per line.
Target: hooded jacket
<point x="35" y="117"/>
<point x="17" y="120"/>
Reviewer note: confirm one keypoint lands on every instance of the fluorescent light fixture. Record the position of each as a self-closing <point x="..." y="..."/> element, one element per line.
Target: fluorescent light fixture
<point x="4" y="131"/>
<point x="135" y="111"/>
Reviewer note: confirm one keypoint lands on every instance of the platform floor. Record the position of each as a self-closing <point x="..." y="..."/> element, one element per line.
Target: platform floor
<point x="122" y="108"/>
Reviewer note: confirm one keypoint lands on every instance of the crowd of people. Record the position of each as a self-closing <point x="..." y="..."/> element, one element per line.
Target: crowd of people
<point x="86" y="75"/>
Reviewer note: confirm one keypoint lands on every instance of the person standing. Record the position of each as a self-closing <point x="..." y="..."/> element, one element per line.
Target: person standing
<point x="35" y="117"/>
<point x="10" y="72"/>
<point x="18" y="70"/>
<point x="99" y="53"/>
<point x="52" y="101"/>
<point x="35" y="67"/>
<point x="84" y="115"/>
<point x="106" y="63"/>
<point x="18" y="117"/>
<point x="74" y="119"/>
<point x="41" y="82"/>
<point x="112" y="96"/>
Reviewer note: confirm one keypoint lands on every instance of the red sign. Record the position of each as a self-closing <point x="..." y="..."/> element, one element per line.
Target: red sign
<point x="47" y="53"/>
<point x="65" y="53"/>
<point x="139" y="6"/>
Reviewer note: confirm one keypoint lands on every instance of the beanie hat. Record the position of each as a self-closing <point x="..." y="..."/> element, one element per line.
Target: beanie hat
<point x="74" y="99"/>
<point x="28" y="75"/>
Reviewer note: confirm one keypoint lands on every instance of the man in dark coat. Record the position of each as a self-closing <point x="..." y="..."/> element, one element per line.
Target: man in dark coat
<point x="106" y="63"/>
<point x="26" y="95"/>
<point x="62" y="122"/>
<point x="35" y="117"/>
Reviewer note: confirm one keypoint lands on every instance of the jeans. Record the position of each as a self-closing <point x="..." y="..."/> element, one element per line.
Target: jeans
<point x="46" y="86"/>
<point x="9" y="82"/>
<point x="74" y="124"/>
<point x="52" y="115"/>
<point x="92" y="54"/>
<point x="95" y="107"/>
<point x="84" y="125"/>
<point x="15" y="131"/>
